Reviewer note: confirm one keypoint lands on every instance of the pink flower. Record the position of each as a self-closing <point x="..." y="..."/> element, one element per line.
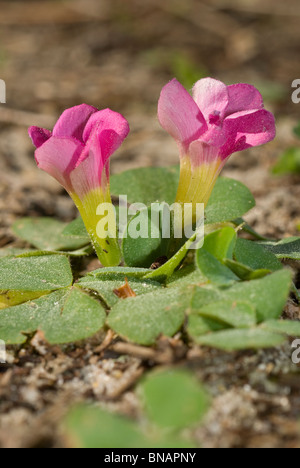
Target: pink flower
<point x="217" y="121"/>
<point x="77" y="151"/>
<point x="77" y="155"/>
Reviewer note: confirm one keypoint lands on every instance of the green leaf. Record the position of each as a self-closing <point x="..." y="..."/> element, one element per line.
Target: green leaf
<point x="203" y="296"/>
<point x="267" y="295"/>
<point x="230" y="199"/>
<point x="213" y="270"/>
<point x="215" y="259"/>
<point x="147" y="185"/>
<point x="185" y="277"/>
<point x="173" y="399"/>
<point x="255" y="256"/>
<point x="198" y="326"/>
<point x="211" y="301"/>
<point x="288" y="327"/>
<point x="12" y="252"/>
<point x="167" y="270"/>
<point x="109" y="272"/>
<point x="221" y="315"/>
<point x="246" y="228"/>
<point x="92" y="427"/>
<point x="237" y="314"/>
<point x="286" y="248"/>
<point x="245" y="273"/>
<point x="87" y="250"/>
<point x="105" y="287"/>
<point x="83" y="252"/>
<point x="289" y="162"/>
<point x="25" y="278"/>
<point x="35" y="273"/>
<point x="221" y="243"/>
<point x="144" y="250"/>
<point x="76" y="229"/>
<point x="231" y="340"/>
<point x="142" y="319"/>
<point x="46" y="234"/>
<point x="64" y="316"/>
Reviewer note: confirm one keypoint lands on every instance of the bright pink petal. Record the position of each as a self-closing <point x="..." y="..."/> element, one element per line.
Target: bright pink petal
<point x="104" y="133"/>
<point x="39" y="135"/>
<point x="212" y="98"/>
<point x="73" y="121"/>
<point x="58" y="157"/>
<point x="179" y="115"/>
<point x="215" y="136"/>
<point x="243" y="97"/>
<point x="247" y="129"/>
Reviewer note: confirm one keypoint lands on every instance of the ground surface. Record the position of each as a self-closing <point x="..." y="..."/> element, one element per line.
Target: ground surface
<point x="119" y="54"/>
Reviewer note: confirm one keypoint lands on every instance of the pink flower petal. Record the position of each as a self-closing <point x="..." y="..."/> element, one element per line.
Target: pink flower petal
<point x="215" y="136"/>
<point x="104" y="133"/>
<point x="179" y="115"/>
<point x="89" y="175"/>
<point x="247" y="129"/>
<point x="243" y="97"/>
<point x="39" y="135"/>
<point x="201" y="153"/>
<point x="212" y="98"/>
<point x="73" y="121"/>
<point x="58" y="157"/>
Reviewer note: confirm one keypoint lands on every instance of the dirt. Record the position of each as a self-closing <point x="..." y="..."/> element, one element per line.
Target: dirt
<point x="117" y="54"/>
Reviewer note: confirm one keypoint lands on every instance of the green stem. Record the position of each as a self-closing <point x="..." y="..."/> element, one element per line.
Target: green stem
<point x="108" y="250"/>
<point x="106" y="245"/>
<point x="165" y="271"/>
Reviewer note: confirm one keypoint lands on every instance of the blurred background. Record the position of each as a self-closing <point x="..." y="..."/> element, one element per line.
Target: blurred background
<point x="119" y="53"/>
